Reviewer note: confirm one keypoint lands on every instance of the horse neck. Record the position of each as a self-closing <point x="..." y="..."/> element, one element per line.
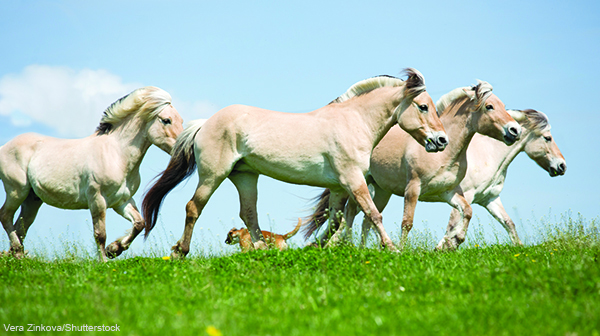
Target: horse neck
<point x="132" y="140"/>
<point x="501" y="155"/>
<point x="380" y="108"/>
<point x="459" y="130"/>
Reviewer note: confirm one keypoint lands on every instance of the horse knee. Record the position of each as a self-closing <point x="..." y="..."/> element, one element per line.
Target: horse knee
<point x="376" y="218"/>
<point x="100" y="236"/>
<point x="191" y="211"/>
<point x="139" y="225"/>
<point x="468" y="212"/>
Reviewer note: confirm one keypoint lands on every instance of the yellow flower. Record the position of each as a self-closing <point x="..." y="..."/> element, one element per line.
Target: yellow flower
<point x="532" y="260"/>
<point x="114" y="270"/>
<point x="212" y="331"/>
<point x="518" y="254"/>
<point x="367" y="262"/>
<point x="166" y="258"/>
<point x="476" y="245"/>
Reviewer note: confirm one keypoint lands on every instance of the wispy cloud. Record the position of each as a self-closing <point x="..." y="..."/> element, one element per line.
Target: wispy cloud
<point x="70" y="101"/>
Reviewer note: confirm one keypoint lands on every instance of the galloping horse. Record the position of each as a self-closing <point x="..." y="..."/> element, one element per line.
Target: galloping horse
<point x="488" y="164"/>
<point x="328" y="147"/>
<point x="399" y="166"/>
<point x="96" y="173"/>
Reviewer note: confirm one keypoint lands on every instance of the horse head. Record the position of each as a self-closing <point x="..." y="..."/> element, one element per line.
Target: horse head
<point x="420" y="118"/>
<point x="539" y="143"/>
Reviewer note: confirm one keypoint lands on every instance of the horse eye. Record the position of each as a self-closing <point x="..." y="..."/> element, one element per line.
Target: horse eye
<point x="166" y="121"/>
<point x="548" y="138"/>
<point x="489" y="107"/>
<point x="423" y="108"/>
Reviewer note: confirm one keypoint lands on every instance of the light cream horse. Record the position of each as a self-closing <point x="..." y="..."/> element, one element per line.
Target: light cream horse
<point x="399" y="166"/>
<point x="488" y="164"/>
<point x="96" y="173"/>
<point x="329" y="147"/>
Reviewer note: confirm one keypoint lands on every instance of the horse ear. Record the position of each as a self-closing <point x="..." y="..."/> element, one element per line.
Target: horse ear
<point x="470" y="92"/>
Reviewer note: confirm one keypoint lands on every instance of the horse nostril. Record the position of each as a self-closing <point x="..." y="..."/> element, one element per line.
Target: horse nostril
<point x="442" y="140"/>
<point x="513" y="130"/>
<point x="562" y="168"/>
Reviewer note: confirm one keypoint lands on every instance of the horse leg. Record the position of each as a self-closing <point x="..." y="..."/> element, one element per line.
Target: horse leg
<point x="349" y="214"/>
<point x="357" y="185"/>
<point x="29" y="210"/>
<point x="380" y="198"/>
<point x="337" y="222"/>
<point x="411" y="197"/>
<point x="246" y="185"/>
<point x="97" y="205"/>
<point x="130" y="212"/>
<point x="206" y="187"/>
<point x="455" y="235"/>
<point x="14" y="198"/>
<point x="496" y="209"/>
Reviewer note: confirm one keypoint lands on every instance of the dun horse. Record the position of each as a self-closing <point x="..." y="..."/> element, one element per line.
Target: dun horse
<point x="96" y="173"/>
<point x="329" y="147"/>
<point x="484" y="182"/>
<point x="400" y="167"/>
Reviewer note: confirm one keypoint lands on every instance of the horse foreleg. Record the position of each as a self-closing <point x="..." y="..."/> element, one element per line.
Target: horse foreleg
<point x="456" y="234"/>
<point x="97" y="205"/>
<point x="363" y="199"/>
<point x="411" y="197"/>
<point x="29" y="210"/>
<point x="496" y="209"/>
<point x="246" y="185"/>
<point x="380" y="198"/>
<point x="130" y="212"/>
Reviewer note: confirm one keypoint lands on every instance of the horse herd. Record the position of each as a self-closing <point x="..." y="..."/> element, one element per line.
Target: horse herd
<point x="346" y="146"/>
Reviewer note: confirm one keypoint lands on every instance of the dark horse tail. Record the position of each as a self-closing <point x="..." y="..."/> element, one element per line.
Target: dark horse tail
<point x="181" y="166"/>
<point x="319" y="216"/>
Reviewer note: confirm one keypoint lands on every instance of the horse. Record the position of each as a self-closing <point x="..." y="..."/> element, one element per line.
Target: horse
<point x="400" y="167"/>
<point x="98" y="172"/>
<point x="483" y="183"/>
<point x="328" y="147"/>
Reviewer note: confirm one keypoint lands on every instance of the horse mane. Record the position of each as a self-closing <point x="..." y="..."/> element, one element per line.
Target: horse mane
<point x="415" y="84"/>
<point x="534" y="120"/>
<point x="482" y="91"/>
<point x="147" y="102"/>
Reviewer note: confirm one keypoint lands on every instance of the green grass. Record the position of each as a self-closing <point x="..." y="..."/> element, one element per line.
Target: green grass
<point x="552" y="288"/>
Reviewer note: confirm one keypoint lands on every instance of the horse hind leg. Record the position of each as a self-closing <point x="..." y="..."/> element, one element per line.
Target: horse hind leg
<point x="246" y="184"/>
<point x="130" y="212"/>
<point x="459" y="222"/>
<point x="14" y="198"/>
<point x="206" y="187"/>
<point x="29" y="210"/>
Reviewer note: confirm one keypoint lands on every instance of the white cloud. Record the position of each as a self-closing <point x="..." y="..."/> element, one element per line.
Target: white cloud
<point x="67" y="100"/>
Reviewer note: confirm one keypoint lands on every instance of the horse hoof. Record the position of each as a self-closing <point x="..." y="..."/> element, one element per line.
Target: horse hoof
<point x="114" y="250"/>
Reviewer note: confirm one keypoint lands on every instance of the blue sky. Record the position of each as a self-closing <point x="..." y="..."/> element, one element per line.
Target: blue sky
<point x="63" y="62"/>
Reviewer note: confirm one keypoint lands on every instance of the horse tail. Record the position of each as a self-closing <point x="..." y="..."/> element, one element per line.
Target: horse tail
<point x="181" y="166"/>
<point x="319" y="217"/>
<point x="294" y="231"/>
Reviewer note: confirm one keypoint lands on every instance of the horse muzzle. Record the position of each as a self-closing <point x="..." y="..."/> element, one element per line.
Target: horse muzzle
<point x="512" y="133"/>
<point x="558" y="169"/>
<point x="436" y="142"/>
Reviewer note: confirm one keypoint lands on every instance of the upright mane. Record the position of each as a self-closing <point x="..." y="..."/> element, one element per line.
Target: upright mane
<point x="481" y="93"/>
<point x="531" y="119"/>
<point x="415" y="84"/>
<point x="147" y="102"/>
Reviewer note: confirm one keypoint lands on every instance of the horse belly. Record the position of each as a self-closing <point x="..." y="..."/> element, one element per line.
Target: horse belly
<point x="308" y="171"/>
<point x="57" y="184"/>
